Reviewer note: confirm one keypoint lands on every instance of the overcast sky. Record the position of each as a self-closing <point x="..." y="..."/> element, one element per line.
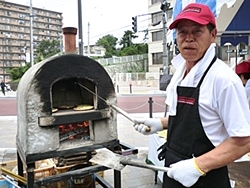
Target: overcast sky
<point x="105" y="16"/>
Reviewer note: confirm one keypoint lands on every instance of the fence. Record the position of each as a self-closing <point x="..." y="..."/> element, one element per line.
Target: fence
<point x="136" y="79"/>
<point x="123" y="59"/>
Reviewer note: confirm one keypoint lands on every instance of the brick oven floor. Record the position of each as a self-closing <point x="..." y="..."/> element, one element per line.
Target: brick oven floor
<point x="131" y="176"/>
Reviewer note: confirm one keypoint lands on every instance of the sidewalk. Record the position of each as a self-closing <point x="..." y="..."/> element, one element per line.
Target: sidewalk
<point x="8" y="94"/>
<point x="122" y="90"/>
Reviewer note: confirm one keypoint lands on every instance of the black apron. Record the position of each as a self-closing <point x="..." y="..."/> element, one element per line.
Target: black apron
<point x="186" y="138"/>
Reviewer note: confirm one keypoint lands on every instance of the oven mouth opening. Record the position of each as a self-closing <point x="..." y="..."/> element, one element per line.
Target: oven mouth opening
<point x="67" y="94"/>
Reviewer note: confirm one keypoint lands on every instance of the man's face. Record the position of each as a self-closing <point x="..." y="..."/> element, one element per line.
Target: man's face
<point x="193" y="40"/>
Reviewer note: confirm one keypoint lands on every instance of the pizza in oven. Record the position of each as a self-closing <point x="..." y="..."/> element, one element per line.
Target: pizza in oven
<point x="83" y="107"/>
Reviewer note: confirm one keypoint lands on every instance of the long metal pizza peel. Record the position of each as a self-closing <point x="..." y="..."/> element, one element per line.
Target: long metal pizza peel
<point x="115" y="161"/>
<point x="116" y="108"/>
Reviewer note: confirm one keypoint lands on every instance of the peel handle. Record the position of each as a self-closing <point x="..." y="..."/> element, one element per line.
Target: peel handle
<point x="125" y="114"/>
<point x="128" y="161"/>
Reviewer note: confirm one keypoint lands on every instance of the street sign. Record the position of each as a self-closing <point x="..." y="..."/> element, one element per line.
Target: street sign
<point x="230" y="51"/>
<point x="243" y="50"/>
<point x="240" y="51"/>
<point x="243" y="53"/>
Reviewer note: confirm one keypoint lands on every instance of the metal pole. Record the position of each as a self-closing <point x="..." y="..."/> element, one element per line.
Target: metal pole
<point x="80" y="27"/>
<point x="61" y="44"/>
<point x="31" y="35"/>
<point x="164" y="44"/>
<point x="88" y="40"/>
<point x="4" y="46"/>
<point x="166" y="59"/>
<point x="150" y="107"/>
<point x="236" y="56"/>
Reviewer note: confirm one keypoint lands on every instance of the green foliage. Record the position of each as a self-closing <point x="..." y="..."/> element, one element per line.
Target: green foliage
<point x="17" y="73"/>
<point x="109" y="43"/>
<point x="47" y="48"/>
<point x="127" y="39"/>
<point x="134" y="50"/>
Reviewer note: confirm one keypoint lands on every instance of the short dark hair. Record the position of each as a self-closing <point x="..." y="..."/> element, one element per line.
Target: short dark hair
<point x="246" y="76"/>
<point x="210" y="27"/>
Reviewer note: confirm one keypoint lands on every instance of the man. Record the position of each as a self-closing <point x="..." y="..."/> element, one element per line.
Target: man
<point x="205" y="131"/>
<point x="243" y="71"/>
<point x="3" y="87"/>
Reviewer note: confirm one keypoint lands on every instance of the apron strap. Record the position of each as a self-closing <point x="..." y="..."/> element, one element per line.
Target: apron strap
<point x="203" y="76"/>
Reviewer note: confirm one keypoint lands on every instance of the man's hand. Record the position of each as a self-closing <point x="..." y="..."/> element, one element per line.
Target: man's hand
<point x="148" y="126"/>
<point x="186" y="172"/>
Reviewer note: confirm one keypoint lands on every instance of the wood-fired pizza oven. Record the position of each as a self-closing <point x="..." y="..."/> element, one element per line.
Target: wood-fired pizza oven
<point x="49" y="122"/>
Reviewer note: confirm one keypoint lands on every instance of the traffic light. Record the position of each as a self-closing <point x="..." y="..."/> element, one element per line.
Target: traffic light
<point x="134" y="28"/>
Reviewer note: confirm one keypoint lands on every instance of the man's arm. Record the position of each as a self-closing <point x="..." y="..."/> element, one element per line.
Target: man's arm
<point x="227" y="152"/>
<point x="164" y="122"/>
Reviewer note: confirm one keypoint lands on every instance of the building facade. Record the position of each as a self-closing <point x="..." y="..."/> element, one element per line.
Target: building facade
<point x="15" y="33"/>
<point x="156" y="33"/>
<point x="94" y="51"/>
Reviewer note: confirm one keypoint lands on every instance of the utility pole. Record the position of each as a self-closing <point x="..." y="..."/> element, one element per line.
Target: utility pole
<point x="88" y="40"/>
<point x="31" y="35"/>
<point x="4" y="50"/>
<point x="166" y="58"/>
<point x="80" y="41"/>
<point x="61" y="44"/>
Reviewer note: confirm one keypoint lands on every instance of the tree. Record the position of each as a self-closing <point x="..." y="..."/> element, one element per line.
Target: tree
<point x="126" y="40"/>
<point x="129" y="47"/>
<point x="135" y="49"/>
<point x="44" y="50"/>
<point x="17" y="73"/>
<point x="109" y="42"/>
<point x="47" y="48"/>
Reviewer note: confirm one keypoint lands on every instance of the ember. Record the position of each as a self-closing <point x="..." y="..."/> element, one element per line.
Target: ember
<point x="74" y="131"/>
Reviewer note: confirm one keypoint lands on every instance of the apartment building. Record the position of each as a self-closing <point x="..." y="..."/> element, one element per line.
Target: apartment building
<point x="232" y="40"/>
<point x="155" y="33"/>
<point x="15" y="33"/>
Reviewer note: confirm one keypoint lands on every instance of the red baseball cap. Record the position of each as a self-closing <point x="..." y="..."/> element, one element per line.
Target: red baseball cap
<point x="243" y="67"/>
<point x="196" y="12"/>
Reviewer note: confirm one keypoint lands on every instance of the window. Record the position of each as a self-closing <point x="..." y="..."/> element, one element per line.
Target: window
<point x="7" y="20"/>
<point x="98" y="52"/>
<point x="170" y="13"/>
<point x="157" y="36"/>
<point x="157" y="58"/>
<point x="156" y="17"/>
<point x="21" y="22"/>
<point x="155" y="1"/>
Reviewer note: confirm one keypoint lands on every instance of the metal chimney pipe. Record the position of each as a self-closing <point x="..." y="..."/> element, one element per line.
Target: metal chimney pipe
<point x="70" y="39"/>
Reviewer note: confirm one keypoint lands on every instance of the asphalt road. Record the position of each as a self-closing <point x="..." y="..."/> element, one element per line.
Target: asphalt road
<point x="129" y="103"/>
<point x="8" y="107"/>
